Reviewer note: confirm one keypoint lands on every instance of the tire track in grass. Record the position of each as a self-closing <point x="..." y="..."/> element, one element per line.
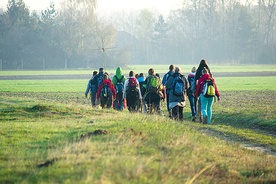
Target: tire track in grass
<point x="241" y="140"/>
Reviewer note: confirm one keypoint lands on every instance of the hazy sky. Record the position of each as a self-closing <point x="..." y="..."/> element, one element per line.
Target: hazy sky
<point x="104" y="6"/>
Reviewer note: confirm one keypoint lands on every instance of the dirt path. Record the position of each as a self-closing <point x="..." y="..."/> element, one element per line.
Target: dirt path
<point x="243" y="142"/>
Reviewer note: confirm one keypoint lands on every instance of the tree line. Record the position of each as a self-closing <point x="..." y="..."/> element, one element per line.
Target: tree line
<point x="73" y="36"/>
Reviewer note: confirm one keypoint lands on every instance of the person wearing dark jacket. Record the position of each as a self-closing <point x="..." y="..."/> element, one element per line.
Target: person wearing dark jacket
<point x="203" y="63"/>
<point x="177" y="102"/>
<point x="206" y="102"/>
<point x="152" y="99"/>
<point x="191" y="95"/>
<point x="96" y="78"/>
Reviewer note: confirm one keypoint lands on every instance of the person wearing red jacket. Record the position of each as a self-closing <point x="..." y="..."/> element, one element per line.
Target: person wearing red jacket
<point x="206" y="102"/>
<point x="106" y="92"/>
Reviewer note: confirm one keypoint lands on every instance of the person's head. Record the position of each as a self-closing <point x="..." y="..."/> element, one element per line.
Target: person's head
<point x="151" y="71"/>
<point x="119" y="71"/>
<point x="131" y="74"/>
<point x="141" y="75"/>
<point x="177" y="69"/>
<point x="204" y="70"/>
<point x="95" y="73"/>
<point x="157" y="74"/>
<point x="106" y="76"/>
<point x="203" y="62"/>
<point x="171" y="67"/>
<point x="136" y="75"/>
<point x="193" y="69"/>
<point x="101" y="70"/>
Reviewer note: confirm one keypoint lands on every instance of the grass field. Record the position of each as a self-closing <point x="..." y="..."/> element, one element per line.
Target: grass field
<point x="144" y="69"/>
<point x="79" y="85"/>
<point x="50" y="134"/>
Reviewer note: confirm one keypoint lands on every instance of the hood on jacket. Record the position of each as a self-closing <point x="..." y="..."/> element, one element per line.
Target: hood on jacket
<point x="119" y="72"/>
<point x="106" y="81"/>
<point x="205" y="77"/>
<point x="191" y="74"/>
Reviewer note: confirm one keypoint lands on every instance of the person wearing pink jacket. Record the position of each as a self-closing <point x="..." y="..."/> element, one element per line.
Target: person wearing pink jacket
<point x="105" y="92"/>
<point x="206" y="102"/>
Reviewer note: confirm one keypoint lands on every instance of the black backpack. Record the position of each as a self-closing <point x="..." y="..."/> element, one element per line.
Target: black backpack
<point x="106" y="91"/>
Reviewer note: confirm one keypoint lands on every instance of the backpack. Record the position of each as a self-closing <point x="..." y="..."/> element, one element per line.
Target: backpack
<point x="132" y="84"/>
<point x="167" y="85"/>
<point x="142" y="88"/>
<point x="106" y="91"/>
<point x="119" y="85"/>
<point x="178" y="86"/>
<point x="100" y="80"/>
<point x="208" y="89"/>
<point x="191" y="89"/>
<point x="132" y="90"/>
<point x="153" y="85"/>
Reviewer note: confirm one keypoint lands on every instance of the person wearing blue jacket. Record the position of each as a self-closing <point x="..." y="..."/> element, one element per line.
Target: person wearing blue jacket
<point x="164" y="83"/>
<point x="92" y="89"/>
<point x="177" y="101"/>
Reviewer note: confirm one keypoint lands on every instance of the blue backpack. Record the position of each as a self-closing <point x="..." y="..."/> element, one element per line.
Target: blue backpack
<point x="119" y="85"/>
<point x="178" y="86"/>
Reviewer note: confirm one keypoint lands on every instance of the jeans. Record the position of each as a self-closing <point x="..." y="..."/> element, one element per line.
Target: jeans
<point x="119" y="102"/>
<point x="193" y="104"/>
<point x="206" y="107"/>
<point x="93" y="99"/>
<point x="168" y="99"/>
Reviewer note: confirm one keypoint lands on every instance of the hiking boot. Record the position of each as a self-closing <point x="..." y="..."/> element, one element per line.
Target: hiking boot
<point x="205" y="120"/>
<point x="194" y="119"/>
<point x="170" y="114"/>
<point x="200" y="119"/>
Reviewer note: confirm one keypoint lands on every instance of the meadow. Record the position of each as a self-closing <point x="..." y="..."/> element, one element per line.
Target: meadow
<point x="50" y="134"/>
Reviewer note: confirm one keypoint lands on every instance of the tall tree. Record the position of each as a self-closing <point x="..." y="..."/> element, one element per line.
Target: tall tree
<point x="145" y="29"/>
<point x="160" y="40"/>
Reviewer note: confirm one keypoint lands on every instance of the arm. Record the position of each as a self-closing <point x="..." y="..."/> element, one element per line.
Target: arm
<point x="125" y="88"/>
<point x="198" y="87"/>
<point x="216" y="89"/>
<point x="140" y="96"/>
<point x="112" y="89"/>
<point x="114" y="80"/>
<point x="99" y="91"/>
<point x="164" y="80"/>
<point x="88" y="88"/>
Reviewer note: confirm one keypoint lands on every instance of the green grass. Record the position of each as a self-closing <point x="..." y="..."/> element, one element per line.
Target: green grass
<point x="45" y="142"/>
<point x="47" y="135"/>
<point x="79" y="85"/>
<point x="144" y="69"/>
<point x="43" y="85"/>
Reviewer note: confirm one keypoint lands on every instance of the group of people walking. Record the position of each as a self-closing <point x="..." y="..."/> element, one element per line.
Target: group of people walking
<point x="144" y="94"/>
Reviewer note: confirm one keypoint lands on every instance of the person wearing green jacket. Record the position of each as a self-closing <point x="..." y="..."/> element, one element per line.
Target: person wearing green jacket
<point x="118" y="81"/>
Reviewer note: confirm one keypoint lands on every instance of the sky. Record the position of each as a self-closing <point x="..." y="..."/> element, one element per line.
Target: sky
<point x="109" y="6"/>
